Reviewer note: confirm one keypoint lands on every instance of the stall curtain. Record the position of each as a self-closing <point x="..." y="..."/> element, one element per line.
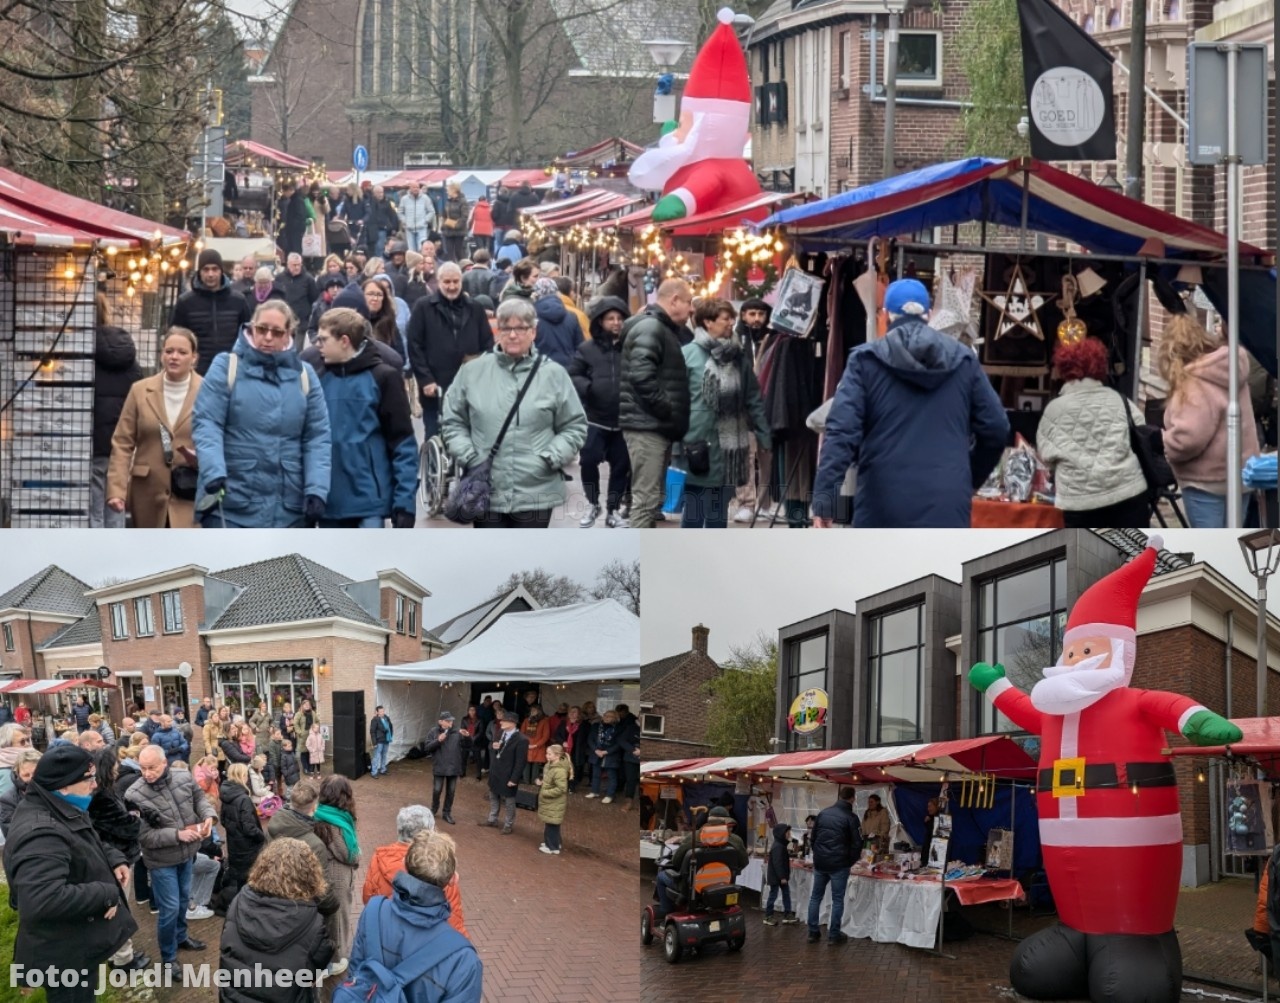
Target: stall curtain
<point x="969" y="826"/>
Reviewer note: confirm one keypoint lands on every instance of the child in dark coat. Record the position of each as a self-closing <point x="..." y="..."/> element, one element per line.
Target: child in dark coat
<point x="289" y="769"/>
<point x="779" y="875"/>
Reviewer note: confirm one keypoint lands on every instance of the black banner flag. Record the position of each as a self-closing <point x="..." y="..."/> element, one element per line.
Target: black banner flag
<point x="1070" y="105"/>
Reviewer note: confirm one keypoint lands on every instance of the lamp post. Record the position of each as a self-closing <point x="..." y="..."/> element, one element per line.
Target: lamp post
<point x="895" y="8"/>
<point x="665" y="52"/>
<point x="1261" y="551"/>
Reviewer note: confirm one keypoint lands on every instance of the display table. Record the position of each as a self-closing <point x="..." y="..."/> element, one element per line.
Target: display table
<point x="753" y="875"/>
<point x="1014" y="515"/>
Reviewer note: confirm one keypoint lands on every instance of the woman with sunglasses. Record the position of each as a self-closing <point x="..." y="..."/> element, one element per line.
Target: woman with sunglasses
<point x="262" y="431"/>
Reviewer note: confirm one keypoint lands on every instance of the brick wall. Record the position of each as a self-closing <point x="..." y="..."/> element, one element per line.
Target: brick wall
<point x="403" y="647"/>
<point x="681" y="698"/>
<point x="23" y="657"/>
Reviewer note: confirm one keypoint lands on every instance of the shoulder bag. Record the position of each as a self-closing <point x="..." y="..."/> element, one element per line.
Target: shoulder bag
<point x="469" y="499"/>
<point x="1147" y="444"/>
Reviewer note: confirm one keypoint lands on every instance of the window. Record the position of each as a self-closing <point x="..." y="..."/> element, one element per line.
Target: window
<point x="1021" y="619"/>
<point x="8" y="637"/>
<point x="171" y="610"/>
<point x="765" y="66"/>
<point x="401" y="43"/>
<point x="399" y="614"/>
<point x="843" y="56"/>
<point x="1113" y="18"/>
<point x="119" y="622"/>
<point x="413" y="619"/>
<point x="806" y="662"/>
<point x="919" y="59"/>
<point x="142" y="617"/>
<point x="290" y="682"/>
<point x="652" y="724"/>
<point x="1089" y="24"/>
<point x="895" y="665"/>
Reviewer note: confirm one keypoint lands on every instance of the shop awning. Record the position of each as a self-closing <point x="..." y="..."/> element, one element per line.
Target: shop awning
<point x="603" y="153"/>
<point x="557" y="205"/>
<point x="606" y="202"/>
<point x="244" y="151"/>
<point x="737" y="214"/>
<point x="635" y="220"/>
<point x="34" y="687"/>
<point x="1260" y="745"/>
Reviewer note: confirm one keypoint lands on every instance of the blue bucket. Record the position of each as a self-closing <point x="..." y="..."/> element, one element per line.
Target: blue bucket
<point x="675" y="491"/>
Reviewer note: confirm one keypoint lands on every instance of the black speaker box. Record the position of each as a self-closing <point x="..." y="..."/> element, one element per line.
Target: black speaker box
<point x="352" y="763"/>
<point x="348" y="703"/>
<point x="527" y="799"/>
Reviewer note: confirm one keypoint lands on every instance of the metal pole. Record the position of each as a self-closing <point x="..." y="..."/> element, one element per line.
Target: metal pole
<point x="1262" y="647"/>
<point x="1275" y="161"/>
<point x="1139" y="323"/>
<point x="1232" y="160"/>
<point x="1137" y="98"/>
<point x="890" y="89"/>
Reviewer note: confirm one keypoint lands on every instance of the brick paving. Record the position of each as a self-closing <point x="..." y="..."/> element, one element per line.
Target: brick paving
<point x="778" y="964"/>
<point x="548" y="929"/>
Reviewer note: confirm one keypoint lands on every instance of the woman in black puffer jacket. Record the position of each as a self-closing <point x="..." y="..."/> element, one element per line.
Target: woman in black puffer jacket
<point x="118" y="828"/>
<point x="596" y="371"/>
<point x="115" y="370"/>
<point x="245" y="837"/>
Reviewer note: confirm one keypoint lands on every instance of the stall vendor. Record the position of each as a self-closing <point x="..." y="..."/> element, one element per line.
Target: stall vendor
<point x="876" y="823"/>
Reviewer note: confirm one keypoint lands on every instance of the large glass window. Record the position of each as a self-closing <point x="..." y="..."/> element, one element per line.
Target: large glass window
<point x="895" y="664"/>
<point x="290" y="682"/>
<point x="806" y="660"/>
<point x="238" y="685"/>
<point x="119" y="621"/>
<point x="171" y="607"/>
<point x="1021" y="619"/>
<point x="142" y="617"/>
<point x="413" y="618"/>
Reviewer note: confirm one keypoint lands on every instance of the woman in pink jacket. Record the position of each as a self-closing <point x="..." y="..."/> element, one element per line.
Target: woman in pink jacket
<point x="1195" y="419"/>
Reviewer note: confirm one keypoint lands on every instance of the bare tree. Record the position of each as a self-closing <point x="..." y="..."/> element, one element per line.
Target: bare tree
<point x="619" y="580"/>
<point x="304" y="85"/>
<point x="548" y="589"/>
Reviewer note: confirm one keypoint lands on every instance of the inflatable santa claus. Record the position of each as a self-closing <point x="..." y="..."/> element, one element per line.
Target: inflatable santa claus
<point x="698" y="164"/>
<point x="1110" y="825"/>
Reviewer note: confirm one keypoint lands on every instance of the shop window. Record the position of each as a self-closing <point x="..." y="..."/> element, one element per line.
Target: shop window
<point x="919" y="59"/>
<point x="142" y="617"/>
<point x="806" y="662"/>
<point x="290" y="682"/>
<point x="8" y="636"/>
<point x="238" y="686"/>
<point x="171" y="610"/>
<point x="895" y="665"/>
<point x="1021" y="619"/>
<point x="119" y="621"/>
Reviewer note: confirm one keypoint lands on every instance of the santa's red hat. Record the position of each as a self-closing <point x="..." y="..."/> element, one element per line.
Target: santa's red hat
<point x="1109" y="607"/>
<point x="719" y="71"/>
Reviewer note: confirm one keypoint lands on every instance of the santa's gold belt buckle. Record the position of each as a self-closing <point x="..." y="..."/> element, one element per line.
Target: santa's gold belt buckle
<point x="1068" y="777"/>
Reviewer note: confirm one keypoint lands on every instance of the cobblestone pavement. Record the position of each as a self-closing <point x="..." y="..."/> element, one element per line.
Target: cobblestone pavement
<point x="548" y="929"/>
<point x="778" y="964"/>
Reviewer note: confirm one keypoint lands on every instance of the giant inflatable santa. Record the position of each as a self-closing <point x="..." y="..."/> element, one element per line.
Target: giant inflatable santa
<point x="1110" y="826"/>
<point x="698" y="164"/>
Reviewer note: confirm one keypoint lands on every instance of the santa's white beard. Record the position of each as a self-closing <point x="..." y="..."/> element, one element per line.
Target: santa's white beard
<point x="1069" y="689"/>
<point x="653" y="168"/>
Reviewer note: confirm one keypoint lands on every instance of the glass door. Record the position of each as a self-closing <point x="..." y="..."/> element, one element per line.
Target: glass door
<point x="173" y="691"/>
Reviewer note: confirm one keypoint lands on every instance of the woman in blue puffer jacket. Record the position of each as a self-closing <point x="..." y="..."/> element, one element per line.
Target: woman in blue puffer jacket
<point x="261" y="431"/>
<point x="559" y="333"/>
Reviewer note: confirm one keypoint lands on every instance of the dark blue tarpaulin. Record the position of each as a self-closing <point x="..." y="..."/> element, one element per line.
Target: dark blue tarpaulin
<point x="970" y="826"/>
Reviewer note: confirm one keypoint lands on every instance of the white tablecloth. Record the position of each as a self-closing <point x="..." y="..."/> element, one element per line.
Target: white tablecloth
<point x="753" y="874"/>
<point x="886" y="911"/>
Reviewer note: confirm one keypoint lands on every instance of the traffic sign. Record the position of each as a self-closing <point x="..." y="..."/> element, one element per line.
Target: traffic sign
<point x="360" y="159"/>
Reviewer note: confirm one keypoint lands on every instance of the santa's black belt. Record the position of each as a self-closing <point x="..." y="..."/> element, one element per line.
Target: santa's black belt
<point x="1104" y="775"/>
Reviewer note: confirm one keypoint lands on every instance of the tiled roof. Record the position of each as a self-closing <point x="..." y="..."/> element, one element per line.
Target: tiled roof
<point x="86" y="630"/>
<point x="651" y="672"/>
<point x="1132" y="542"/>
<point x="287" y="590"/>
<point x="49" y="591"/>
<point x="612" y="42"/>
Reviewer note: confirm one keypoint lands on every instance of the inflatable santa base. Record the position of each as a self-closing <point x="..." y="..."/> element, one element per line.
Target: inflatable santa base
<point x="1064" y="964"/>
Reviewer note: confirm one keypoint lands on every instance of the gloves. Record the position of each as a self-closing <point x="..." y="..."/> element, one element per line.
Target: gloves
<point x="214" y="486"/>
<point x="401" y="519"/>
<point x="313" y="510"/>
<point x="982" y="675"/>
<point x="1207" y="728"/>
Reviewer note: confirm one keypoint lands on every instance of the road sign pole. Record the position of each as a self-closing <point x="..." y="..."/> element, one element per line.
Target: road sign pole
<point x="1232" y="162"/>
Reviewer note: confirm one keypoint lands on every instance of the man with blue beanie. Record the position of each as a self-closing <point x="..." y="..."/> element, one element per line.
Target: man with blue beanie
<point x="917" y="416"/>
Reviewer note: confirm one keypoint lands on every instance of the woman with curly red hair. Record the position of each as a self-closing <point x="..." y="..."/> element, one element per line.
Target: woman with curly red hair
<point x="1084" y="439"/>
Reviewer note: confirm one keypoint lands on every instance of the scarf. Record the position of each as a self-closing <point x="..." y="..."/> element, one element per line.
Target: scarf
<point x="341" y="819"/>
<point x="9" y="756"/>
<point x="724" y="394"/>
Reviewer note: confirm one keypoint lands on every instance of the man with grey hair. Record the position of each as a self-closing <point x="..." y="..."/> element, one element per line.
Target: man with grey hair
<point x="446" y="329"/>
<point x="299" y="291"/>
<point x="388" y="861"/>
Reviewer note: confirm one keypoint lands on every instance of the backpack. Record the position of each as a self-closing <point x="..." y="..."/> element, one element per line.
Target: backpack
<point x="233" y="364"/>
<point x="372" y="981"/>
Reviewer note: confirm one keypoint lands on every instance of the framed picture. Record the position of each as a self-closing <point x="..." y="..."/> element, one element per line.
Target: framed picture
<point x="1031" y="401"/>
<point x="942" y="826"/>
<point x="799" y="300"/>
<point x="938" y="853"/>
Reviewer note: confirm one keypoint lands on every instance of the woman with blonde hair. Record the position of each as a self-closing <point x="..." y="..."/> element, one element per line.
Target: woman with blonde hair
<point x="333" y="265"/>
<point x="553" y="797"/>
<point x="275" y="923"/>
<point x="1197" y="368"/>
<point x="245" y="837"/>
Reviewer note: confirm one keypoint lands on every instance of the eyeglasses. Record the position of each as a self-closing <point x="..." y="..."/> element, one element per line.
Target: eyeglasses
<point x="322" y="338"/>
<point x="262" y="330"/>
<point x="518" y="329"/>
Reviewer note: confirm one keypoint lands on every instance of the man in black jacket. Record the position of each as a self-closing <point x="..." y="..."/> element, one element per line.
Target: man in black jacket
<point x="380" y="733"/>
<point x="66" y="886"/>
<point x="596" y="371"/>
<point x="504" y="217"/>
<point x="446" y="329"/>
<point x="521" y="200"/>
<point x="653" y="408"/>
<point x="837" y="842"/>
<point x="211" y="310"/>
<point x="115" y="371"/>
<point x="449" y="751"/>
<point x="299" y="291"/>
<point x="509" y="753"/>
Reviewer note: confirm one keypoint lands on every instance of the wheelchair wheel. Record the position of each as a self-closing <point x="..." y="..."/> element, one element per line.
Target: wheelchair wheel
<point x="736" y="943"/>
<point x="433" y="472"/>
<point x="646" y="928"/>
<point x="671" y="948"/>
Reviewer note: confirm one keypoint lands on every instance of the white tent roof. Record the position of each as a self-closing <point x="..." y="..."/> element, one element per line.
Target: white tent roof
<point x="587" y="641"/>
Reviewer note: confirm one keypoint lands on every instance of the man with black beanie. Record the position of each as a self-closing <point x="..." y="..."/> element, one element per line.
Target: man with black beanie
<point x="211" y="310"/>
<point x="751" y="329"/>
<point x="448" y="750"/>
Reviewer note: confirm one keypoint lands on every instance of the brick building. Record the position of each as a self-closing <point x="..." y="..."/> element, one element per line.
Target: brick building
<point x="673" y="702"/>
<point x="895" y="669"/>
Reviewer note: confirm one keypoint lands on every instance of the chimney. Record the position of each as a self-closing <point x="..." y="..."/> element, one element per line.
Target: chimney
<point x="700" y="639"/>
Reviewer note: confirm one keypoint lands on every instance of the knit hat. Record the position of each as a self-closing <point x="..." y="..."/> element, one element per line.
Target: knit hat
<point x="906" y="297"/>
<point x="1109" y="607"/>
<point x="483" y="301"/>
<point x="208" y="257"/>
<point x="330" y="280"/>
<point x="353" y="297"/>
<point x="720" y="812"/>
<point x="719" y="72"/>
<point x="61" y="766"/>
<point x="545" y="287"/>
<point x="445" y="715"/>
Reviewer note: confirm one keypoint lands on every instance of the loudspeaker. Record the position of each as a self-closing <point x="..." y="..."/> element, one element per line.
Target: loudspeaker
<point x="352" y="763"/>
<point x="349" y="728"/>
<point x="348" y="703"/>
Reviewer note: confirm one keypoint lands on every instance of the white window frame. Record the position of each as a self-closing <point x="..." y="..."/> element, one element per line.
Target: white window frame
<point x="399" y="613"/>
<point x="934" y="82"/>
<point x="413" y="618"/>
<point x="139" y="604"/>
<point x="171" y="600"/>
<point x="119" y="622"/>
<point x="649" y="732"/>
<point x="8" y="637"/>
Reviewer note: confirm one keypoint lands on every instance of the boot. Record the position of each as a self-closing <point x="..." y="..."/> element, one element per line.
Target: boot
<point x="630" y="805"/>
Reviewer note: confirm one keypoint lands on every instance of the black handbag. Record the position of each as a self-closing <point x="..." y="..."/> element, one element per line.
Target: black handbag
<point x="697" y="457"/>
<point x="1147" y="444"/>
<point x="469" y="499"/>
<point x="182" y="482"/>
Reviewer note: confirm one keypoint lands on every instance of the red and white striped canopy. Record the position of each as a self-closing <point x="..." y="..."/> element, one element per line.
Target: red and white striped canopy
<point x="35" y="687"/>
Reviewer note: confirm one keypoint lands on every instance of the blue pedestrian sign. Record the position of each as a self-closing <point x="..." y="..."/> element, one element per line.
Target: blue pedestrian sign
<point x="360" y="159"/>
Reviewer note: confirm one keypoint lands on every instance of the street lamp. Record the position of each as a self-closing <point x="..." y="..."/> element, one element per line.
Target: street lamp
<point x="895" y="9"/>
<point x="1262" y="557"/>
<point x="665" y="52"/>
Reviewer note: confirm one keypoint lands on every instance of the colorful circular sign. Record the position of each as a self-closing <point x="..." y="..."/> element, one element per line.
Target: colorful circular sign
<point x="808" y="712"/>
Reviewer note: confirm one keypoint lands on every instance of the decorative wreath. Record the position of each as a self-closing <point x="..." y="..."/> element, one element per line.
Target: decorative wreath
<point x="755" y="290"/>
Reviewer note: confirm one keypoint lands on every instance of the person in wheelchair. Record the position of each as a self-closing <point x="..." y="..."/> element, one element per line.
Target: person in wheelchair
<point x="673" y="882"/>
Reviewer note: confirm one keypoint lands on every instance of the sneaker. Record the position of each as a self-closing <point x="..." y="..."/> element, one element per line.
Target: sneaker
<point x="336" y="968"/>
<point x="198" y="913"/>
<point x="615" y="521"/>
<point x="606" y="800"/>
<point x="546" y="849"/>
<point x="770" y="921"/>
<point x="744" y="514"/>
<point x="506" y="830"/>
<point x="592" y="795"/>
<point x="789" y="919"/>
<point x="589" y="518"/>
<point x="814" y="937"/>
<point x="155" y="909"/>
<point x="660" y="516"/>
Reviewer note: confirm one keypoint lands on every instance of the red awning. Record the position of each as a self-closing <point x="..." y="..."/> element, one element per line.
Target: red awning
<point x="242" y="151"/>
<point x="1261" y="745"/>
<point x="738" y="214"/>
<point x="554" y="205"/>
<point x="35" y="687"/>
<point x="636" y="220"/>
<point x="531" y="175"/>
<point x="607" y="202"/>
<point x="607" y="151"/>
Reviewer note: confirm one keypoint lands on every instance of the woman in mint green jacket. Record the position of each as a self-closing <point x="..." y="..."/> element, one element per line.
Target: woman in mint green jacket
<point x="545" y="436"/>
<point x="726" y="406"/>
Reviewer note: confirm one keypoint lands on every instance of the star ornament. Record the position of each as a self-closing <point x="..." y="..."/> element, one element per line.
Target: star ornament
<point x="1017" y="307"/>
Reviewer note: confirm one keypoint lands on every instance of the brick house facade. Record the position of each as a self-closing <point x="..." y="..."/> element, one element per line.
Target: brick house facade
<point x="673" y="702"/>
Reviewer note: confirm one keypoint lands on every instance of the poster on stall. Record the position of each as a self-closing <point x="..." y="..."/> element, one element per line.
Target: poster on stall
<point x="1248" y="815"/>
<point x="150" y="693"/>
<point x="938" y="853"/>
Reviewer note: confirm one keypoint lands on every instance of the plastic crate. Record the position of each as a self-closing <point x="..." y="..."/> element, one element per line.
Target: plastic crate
<point x="56" y="447"/>
<point x="79" y="315"/>
<point x="51" y="423"/>
<point x="38" y="341"/>
<point x="54" y="397"/>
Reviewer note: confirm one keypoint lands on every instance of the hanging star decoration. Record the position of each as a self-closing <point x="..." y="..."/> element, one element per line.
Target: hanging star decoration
<point x="1017" y="306"/>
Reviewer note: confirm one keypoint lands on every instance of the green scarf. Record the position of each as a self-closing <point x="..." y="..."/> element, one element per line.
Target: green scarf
<point x="342" y="819"/>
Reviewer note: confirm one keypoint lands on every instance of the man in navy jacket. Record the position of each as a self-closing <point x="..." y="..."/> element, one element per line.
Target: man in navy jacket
<point x="837" y="843"/>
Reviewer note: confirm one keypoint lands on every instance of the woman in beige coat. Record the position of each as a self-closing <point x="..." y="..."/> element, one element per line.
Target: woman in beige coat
<point x="158" y="408"/>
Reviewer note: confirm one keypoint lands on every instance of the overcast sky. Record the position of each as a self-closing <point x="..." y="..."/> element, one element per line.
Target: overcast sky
<point x="738" y="587"/>
<point x="460" y="569"/>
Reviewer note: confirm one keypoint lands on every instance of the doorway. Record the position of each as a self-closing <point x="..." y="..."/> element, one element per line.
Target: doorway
<point x="173" y="694"/>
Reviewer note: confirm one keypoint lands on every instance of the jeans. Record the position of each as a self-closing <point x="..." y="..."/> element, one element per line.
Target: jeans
<point x="379" y="763"/>
<point x="416" y="238"/>
<point x="666" y="893"/>
<point x="171" y="890"/>
<point x="378" y="244"/>
<point x="773" y="894"/>
<point x="706" y="507"/>
<point x="99" y="515"/>
<point x="839" y="881"/>
<point x="1205" y="510"/>
<point x="506" y="804"/>
<point x="610" y="780"/>
<point x="648" y="453"/>
<point x="551" y="836"/>
<point x="605" y="446"/>
<point x="204" y="876"/>
<point x="450" y="787"/>
<point x="480" y="756"/>
<point x="367" y="522"/>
